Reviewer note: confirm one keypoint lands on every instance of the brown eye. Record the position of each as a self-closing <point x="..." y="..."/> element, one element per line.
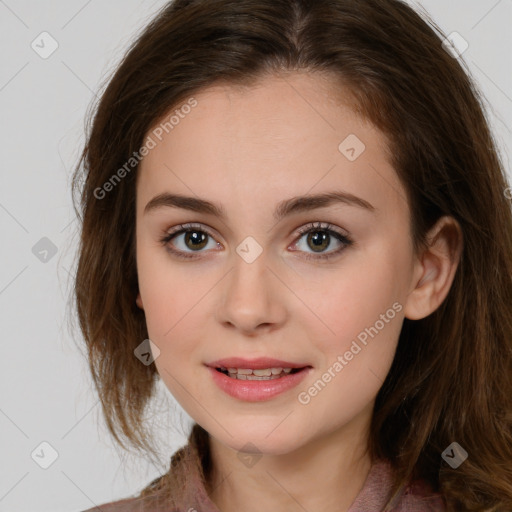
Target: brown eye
<point x="195" y="240"/>
<point x="187" y="239"/>
<point x="319" y="238"/>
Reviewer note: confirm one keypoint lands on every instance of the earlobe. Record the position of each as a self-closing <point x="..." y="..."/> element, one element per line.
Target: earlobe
<point x="435" y="269"/>
<point x="138" y="301"/>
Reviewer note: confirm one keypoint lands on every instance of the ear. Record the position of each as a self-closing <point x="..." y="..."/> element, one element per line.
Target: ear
<point x="138" y="301"/>
<point x="435" y="269"/>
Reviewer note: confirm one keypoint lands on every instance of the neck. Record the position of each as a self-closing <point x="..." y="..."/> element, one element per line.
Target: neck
<point x="326" y="474"/>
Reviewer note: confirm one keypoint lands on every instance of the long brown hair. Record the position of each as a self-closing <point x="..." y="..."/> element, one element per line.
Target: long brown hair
<point x="451" y="379"/>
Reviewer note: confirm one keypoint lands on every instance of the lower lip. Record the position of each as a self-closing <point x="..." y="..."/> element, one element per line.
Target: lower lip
<point x="257" y="390"/>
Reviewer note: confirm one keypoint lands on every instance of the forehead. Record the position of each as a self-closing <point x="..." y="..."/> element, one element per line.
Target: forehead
<point x="282" y="136"/>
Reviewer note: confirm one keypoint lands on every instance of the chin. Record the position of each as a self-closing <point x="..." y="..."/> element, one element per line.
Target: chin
<point x="257" y="440"/>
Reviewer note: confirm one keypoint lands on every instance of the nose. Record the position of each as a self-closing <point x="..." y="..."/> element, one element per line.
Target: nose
<point x="252" y="299"/>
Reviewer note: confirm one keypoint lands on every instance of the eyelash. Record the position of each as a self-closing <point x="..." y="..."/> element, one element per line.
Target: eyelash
<point x="312" y="227"/>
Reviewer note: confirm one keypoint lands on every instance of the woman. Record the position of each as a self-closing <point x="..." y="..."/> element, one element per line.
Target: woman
<point x="295" y="215"/>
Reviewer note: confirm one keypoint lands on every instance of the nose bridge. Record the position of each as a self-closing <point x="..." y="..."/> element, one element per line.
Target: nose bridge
<point x="251" y="295"/>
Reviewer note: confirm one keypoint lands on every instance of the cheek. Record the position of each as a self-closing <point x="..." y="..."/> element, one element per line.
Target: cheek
<point x="165" y="287"/>
<point x="174" y="297"/>
<point x="357" y="296"/>
<point x="365" y="318"/>
<point x="361" y="318"/>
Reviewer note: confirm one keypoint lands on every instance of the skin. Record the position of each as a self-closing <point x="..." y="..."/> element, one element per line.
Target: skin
<point x="248" y="149"/>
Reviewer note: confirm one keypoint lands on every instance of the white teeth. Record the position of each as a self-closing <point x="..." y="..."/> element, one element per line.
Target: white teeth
<point x="244" y="371"/>
<point x="263" y="372"/>
<point x="253" y="377"/>
<point x="257" y="374"/>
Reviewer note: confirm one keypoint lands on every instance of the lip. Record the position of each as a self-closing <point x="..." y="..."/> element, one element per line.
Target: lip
<point x="257" y="390"/>
<point x="254" y="364"/>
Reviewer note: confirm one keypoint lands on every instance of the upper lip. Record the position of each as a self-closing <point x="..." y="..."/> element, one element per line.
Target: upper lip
<point x="254" y="364"/>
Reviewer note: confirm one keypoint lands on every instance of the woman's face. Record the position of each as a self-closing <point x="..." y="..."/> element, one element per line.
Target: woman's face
<point x="249" y="284"/>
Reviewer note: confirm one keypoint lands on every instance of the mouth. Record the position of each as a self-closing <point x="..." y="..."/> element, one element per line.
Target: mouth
<point x="257" y="384"/>
<point x="259" y="374"/>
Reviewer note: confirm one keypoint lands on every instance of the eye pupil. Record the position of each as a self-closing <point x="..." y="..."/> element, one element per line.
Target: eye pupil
<point x="319" y="242"/>
<point x="197" y="237"/>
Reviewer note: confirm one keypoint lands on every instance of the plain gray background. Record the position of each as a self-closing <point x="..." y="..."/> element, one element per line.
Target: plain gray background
<point x="46" y="391"/>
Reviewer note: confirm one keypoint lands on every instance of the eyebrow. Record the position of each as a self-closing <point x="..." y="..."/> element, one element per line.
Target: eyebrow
<point x="284" y="208"/>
